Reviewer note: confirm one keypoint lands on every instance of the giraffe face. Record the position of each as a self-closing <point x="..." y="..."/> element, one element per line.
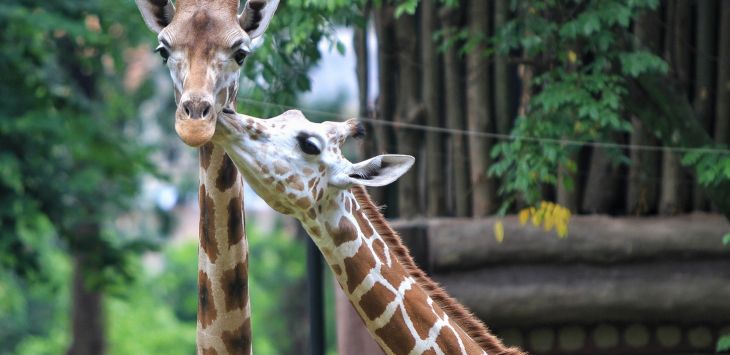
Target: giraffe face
<point x="204" y="46"/>
<point x="295" y="164"/>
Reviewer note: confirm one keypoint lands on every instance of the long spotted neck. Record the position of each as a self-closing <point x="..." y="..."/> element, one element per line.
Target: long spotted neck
<point x="224" y="312"/>
<point x="402" y="311"/>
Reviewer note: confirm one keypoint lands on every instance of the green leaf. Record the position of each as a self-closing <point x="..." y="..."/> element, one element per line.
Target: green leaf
<point x="340" y="47"/>
<point x="408" y="7"/>
<point x="726" y="239"/>
<point x="723" y="344"/>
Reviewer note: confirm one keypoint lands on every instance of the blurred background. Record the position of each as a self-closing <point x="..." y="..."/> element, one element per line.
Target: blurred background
<point x="572" y="184"/>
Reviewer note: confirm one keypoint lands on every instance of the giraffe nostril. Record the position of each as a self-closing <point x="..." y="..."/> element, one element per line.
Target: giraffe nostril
<point x="206" y="110"/>
<point x="186" y="107"/>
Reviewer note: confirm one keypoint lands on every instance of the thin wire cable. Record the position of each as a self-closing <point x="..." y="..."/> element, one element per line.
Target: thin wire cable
<point x="501" y="136"/>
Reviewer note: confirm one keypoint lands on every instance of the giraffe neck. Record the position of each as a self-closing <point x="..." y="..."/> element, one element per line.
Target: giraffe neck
<point x="224" y="314"/>
<point x="403" y="310"/>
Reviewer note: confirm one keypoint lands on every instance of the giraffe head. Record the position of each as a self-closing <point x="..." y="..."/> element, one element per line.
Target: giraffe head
<point x="296" y="165"/>
<point x="204" y="44"/>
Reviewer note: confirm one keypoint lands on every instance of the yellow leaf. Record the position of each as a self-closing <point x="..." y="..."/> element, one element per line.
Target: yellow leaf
<point x="523" y="216"/>
<point x="562" y="230"/>
<point x="572" y="57"/>
<point x="536" y="219"/>
<point x="499" y="231"/>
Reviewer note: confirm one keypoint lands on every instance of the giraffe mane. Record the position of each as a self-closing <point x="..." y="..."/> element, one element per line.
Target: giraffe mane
<point x="456" y="311"/>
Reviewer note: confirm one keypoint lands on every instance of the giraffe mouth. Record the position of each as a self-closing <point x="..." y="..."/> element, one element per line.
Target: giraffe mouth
<point x="195" y="132"/>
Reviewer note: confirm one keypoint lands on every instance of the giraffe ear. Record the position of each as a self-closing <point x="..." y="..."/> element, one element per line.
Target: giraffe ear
<point x="256" y="16"/>
<point x="157" y="14"/>
<point x="378" y="171"/>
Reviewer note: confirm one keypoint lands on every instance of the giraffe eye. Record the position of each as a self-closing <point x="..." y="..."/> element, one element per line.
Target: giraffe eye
<point x="309" y="145"/>
<point x="164" y="53"/>
<point x="240" y="56"/>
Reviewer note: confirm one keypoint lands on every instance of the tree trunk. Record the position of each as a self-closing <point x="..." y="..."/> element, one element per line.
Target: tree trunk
<point x="87" y="318"/>
<point x="360" y="44"/>
<point x="409" y="111"/>
<point x="431" y="94"/>
<point x="371" y="146"/>
<point x="672" y="196"/>
<point x="387" y="69"/>
<point x="722" y="111"/>
<point x="704" y="74"/>
<point x="642" y="192"/>
<point x="666" y="111"/>
<point x="502" y="77"/>
<point x="454" y="87"/>
<point x="568" y="195"/>
<point x="602" y="186"/>
<point x="478" y="103"/>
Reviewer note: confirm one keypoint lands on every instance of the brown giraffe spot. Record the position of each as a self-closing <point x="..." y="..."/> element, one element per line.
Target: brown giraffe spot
<point x="312" y="183"/>
<point x="291" y="195"/>
<point x="280" y="187"/>
<point x="348" y="205"/>
<point x="469" y="344"/>
<point x="320" y="194"/>
<point x="419" y="311"/>
<point x="206" y="306"/>
<point x="439" y="312"/>
<point x="205" y="153"/>
<point x="316" y="231"/>
<point x="280" y="168"/>
<point x="209" y="351"/>
<point x="295" y="182"/>
<point x="374" y="301"/>
<point x="238" y="341"/>
<point x="269" y="180"/>
<point x="327" y="252"/>
<point x="364" y="224"/>
<point x="321" y="168"/>
<point x="395" y="335"/>
<point x="447" y="341"/>
<point x="358" y="267"/>
<point x="379" y="249"/>
<point x="344" y="232"/>
<point x="260" y="127"/>
<point x="227" y="174"/>
<point x="307" y="171"/>
<point x="394" y="275"/>
<point x="235" y="221"/>
<point x="337" y="269"/>
<point x="303" y="203"/>
<point x="264" y="169"/>
<point x="312" y="213"/>
<point x="429" y="352"/>
<point x="207" y="225"/>
<point x="235" y="286"/>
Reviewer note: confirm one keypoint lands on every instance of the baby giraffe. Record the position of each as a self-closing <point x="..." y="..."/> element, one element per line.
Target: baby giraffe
<point x="297" y="167"/>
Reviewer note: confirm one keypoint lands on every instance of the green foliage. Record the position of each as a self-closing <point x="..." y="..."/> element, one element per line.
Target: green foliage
<point x="68" y="155"/>
<point x="277" y="270"/>
<point x="582" y="56"/>
<point x="723" y="344"/>
<point x="33" y="315"/>
<point x="156" y="312"/>
<point x="144" y="319"/>
<point x="279" y="68"/>
<point x="712" y="168"/>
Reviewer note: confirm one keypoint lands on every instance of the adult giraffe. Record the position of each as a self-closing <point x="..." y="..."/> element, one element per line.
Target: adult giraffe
<point x="297" y="167"/>
<point x="204" y="44"/>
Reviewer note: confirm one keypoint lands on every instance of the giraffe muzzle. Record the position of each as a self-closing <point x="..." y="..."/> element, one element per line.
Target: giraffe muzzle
<point x="195" y="119"/>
